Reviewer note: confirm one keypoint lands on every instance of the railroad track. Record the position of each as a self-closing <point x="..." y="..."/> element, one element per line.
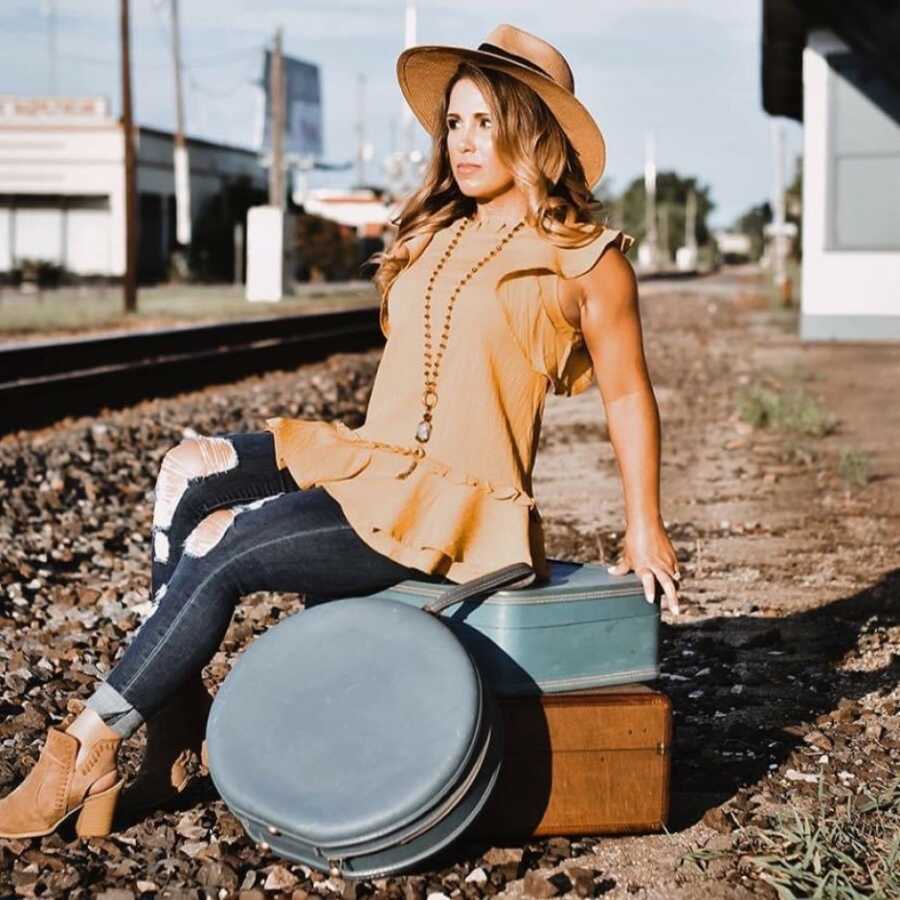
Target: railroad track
<point x="42" y="383"/>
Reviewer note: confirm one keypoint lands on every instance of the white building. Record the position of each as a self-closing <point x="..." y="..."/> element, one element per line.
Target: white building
<point x="62" y="186"/>
<point x="361" y="208"/>
<point x="733" y="244"/>
<point x="848" y="99"/>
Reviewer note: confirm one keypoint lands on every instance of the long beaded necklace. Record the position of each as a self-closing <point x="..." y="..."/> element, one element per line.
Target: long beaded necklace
<point x="430" y="397"/>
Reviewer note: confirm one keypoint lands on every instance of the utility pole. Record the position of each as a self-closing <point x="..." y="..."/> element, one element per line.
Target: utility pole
<point x="182" y="167"/>
<point x="779" y="230"/>
<point x="361" y="129"/>
<point x="690" y="222"/>
<point x="130" y="281"/>
<point x="276" y="91"/>
<point x="652" y="251"/>
<point x="664" y="232"/>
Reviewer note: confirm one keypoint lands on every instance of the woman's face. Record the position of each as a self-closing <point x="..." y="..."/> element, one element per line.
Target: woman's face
<point x="470" y="143"/>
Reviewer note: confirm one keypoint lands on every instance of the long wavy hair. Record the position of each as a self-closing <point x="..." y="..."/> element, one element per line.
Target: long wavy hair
<point x="530" y="142"/>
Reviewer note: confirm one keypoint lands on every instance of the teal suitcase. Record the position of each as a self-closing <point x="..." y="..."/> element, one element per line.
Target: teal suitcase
<point x="581" y="628"/>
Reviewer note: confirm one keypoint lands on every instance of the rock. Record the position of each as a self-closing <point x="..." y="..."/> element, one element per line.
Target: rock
<point x="280" y="879"/>
<point x="536" y="885"/>
<point x="497" y="856"/>
<point x="414" y="888"/>
<point x="559" y="845"/>
<point x="193" y="848"/>
<point x="817" y="739"/>
<point x="794" y="775"/>
<point x="215" y="874"/>
<point x="716" y="819"/>
<point x="874" y="730"/>
<point x="477" y="876"/>
<point x="582" y="880"/>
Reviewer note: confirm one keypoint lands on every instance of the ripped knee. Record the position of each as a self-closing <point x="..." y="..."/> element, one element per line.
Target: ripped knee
<point x="210" y="531"/>
<point x="194" y="457"/>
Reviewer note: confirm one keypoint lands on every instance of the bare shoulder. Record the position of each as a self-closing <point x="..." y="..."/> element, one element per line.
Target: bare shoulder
<point x="607" y="287"/>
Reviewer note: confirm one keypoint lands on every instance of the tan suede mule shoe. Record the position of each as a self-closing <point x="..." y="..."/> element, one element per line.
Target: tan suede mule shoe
<point x="172" y="758"/>
<point x="71" y="774"/>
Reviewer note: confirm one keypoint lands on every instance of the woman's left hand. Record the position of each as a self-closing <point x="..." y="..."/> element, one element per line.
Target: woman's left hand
<point x="648" y="551"/>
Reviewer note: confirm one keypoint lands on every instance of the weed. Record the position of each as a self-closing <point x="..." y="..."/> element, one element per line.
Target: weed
<point x="854" y="466"/>
<point x="793" y="410"/>
<point x="756" y="405"/>
<point x="846" y="849"/>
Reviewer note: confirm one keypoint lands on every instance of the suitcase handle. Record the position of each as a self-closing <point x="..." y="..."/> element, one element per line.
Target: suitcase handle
<point x="516" y="575"/>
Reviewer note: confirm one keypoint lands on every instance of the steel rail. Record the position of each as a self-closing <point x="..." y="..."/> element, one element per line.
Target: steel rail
<point x="44" y="382"/>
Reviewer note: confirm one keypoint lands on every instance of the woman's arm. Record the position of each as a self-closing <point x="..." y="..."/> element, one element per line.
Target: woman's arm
<point x="603" y="303"/>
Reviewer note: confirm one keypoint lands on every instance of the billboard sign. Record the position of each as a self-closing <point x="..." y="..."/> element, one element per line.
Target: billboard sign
<point x="303" y="108"/>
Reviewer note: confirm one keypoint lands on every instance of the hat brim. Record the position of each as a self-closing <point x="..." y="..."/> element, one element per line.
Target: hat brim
<point x="424" y="72"/>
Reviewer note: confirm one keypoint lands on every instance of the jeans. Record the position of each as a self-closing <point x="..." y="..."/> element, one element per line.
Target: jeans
<point x="228" y="522"/>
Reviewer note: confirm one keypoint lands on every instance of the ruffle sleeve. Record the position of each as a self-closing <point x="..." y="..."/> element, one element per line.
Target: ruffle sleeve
<point x="567" y="361"/>
<point x="554" y="347"/>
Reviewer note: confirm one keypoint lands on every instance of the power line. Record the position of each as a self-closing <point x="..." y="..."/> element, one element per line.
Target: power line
<point x="221" y="94"/>
<point x="197" y="63"/>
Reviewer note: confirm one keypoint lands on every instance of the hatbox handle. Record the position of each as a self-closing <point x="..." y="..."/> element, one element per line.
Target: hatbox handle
<point x="514" y="575"/>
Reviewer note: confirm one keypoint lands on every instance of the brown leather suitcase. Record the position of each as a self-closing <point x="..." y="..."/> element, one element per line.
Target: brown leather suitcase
<point x="578" y="763"/>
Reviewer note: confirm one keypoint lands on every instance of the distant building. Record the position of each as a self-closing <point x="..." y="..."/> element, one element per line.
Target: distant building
<point x="836" y="67"/>
<point x="359" y="208"/>
<point x="733" y="246"/>
<point x="62" y="186"/>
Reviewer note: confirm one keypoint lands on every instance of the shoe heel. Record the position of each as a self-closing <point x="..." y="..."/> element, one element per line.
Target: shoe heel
<point x="96" y="816"/>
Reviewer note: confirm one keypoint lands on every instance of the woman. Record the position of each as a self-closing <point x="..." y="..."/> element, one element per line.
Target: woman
<point x="498" y="288"/>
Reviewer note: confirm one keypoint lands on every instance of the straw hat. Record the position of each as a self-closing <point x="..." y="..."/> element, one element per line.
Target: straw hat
<point x="424" y="71"/>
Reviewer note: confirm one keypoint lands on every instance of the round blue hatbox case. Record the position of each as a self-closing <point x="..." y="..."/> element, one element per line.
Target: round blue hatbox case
<point x="357" y="737"/>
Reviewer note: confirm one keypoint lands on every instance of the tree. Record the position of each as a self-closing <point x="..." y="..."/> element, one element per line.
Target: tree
<point x="671" y="200"/>
<point x="752" y="223"/>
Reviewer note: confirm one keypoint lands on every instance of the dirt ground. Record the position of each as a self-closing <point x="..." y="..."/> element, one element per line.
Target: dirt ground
<point x="782" y="667"/>
<point x="791" y="587"/>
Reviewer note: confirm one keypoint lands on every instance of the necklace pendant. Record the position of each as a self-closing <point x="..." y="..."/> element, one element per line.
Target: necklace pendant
<point x="423" y="432"/>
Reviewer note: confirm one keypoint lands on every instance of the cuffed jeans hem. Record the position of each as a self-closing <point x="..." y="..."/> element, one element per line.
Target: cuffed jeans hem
<point x="114" y="709"/>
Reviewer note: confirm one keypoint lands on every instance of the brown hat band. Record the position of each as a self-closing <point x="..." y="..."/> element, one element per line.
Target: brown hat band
<point x="521" y="60"/>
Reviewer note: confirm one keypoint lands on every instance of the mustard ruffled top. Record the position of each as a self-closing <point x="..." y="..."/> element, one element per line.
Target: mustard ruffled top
<point x="461" y="504"/>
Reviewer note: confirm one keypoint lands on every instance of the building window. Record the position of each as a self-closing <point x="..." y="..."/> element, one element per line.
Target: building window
<point x="863" y="157"/>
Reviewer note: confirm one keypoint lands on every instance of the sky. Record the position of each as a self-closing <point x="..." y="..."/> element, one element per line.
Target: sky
<point x="685" y="71"/>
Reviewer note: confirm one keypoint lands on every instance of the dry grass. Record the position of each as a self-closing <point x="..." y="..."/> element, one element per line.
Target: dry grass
<point x="845" y="850"/>
<point x="85" y="309"/>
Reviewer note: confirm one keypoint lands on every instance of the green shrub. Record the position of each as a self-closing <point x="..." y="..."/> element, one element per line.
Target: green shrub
<point x="793" y="410"/>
